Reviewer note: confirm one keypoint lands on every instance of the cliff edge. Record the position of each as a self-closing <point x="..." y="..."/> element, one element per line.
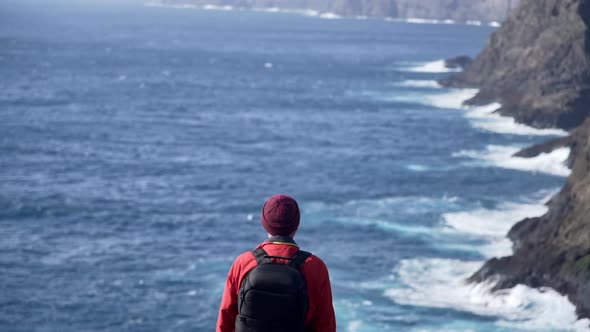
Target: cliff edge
<point x="538" y="66"/>
<point x="460" y="10"/>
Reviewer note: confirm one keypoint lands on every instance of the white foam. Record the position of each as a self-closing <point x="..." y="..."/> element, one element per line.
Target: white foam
<point x="485" y="118"/>
<point x="157" y="3"/>
<point x="454" y="98"/>
<point x="481" y="117"/>
<point x="440" y="283"/>
<point x="499" y="247"/>
<point x="269" y="10"/>
<point x="312" y="13"/>
<point x="416" y="20"/>
<point x="417" y="168"/>
<point x="553" y="163"/>
<point x="451" y="99"/>
<point x="354" y="326"/>
<point x="329" y="16"/>
<point x="215" y="7"/>
<point x="492" y="223"/>
<point x="437" y="66"/>
<point x="420" y="84"/>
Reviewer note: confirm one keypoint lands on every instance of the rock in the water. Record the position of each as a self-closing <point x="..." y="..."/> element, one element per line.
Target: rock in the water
<point x="460" y="62"/>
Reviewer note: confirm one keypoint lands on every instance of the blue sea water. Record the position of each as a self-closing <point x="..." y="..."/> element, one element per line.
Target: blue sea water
<point x="138" y="144"/>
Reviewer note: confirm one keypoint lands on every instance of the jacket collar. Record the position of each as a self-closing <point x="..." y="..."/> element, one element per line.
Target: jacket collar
<point x="281" y="239"/>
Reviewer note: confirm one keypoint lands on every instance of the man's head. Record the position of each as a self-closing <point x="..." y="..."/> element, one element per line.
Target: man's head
<point x="280" y="215"/>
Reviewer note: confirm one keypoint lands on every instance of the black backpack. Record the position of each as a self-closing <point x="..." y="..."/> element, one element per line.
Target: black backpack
<point x="273" y="296"/>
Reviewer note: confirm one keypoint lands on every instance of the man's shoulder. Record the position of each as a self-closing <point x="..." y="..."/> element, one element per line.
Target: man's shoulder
<point x="245" y="258"/>
<point x="314" y="264"/>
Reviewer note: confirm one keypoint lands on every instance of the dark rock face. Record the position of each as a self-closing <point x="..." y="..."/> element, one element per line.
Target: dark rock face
<point x="495" y="10"/>
<point x="461" y="10"/>
<point x="538" y="66"/>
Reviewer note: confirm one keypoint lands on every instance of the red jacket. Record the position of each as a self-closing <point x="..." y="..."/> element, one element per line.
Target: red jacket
<point x="320" y="315"/>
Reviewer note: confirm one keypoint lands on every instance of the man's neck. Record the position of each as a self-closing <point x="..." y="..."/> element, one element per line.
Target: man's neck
<point x="281" y="239"/>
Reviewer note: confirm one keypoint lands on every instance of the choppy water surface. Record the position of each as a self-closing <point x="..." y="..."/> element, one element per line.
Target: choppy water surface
<point x="138" y="145"/>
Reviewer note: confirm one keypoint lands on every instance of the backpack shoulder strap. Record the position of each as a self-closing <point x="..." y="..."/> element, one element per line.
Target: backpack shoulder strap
<point x="261" y="256"/>
<point x="299" y="258"/>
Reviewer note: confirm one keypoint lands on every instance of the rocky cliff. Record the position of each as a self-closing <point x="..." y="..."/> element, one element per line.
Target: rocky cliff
<point x="538" y="65"/>
<point x="461" y="10"/>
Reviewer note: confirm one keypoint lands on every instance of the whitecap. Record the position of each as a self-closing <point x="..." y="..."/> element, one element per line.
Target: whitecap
<point x="215" y="7"/>
<point x="177" y="6"/>
<point x="553" y="163"/>
<point x="269" y="10"/>
<point x="495" y="24"/>
<point x="440" y="283"/>
<point x="416" y="20"/>
<point x="492" y="222"/>
<point x="481" y="117"/>
<point x="473" y="22"/>
<point x="437" y="66"/>
<point x="450" y="99"/>
<point x="329" y="16"/>
<point x="420" y="84"/>
<point x="454" y="98"/>
<point x="485" y="118"/>
<point x="312" y="13"/>
<point x="491" y="225"/>
<point x="417" y="168"/>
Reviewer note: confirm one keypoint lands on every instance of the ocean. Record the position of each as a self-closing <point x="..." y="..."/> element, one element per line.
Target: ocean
<point x="139" y="143"/>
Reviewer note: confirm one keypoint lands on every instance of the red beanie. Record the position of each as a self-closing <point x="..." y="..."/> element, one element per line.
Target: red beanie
<point x="280" y="215"/>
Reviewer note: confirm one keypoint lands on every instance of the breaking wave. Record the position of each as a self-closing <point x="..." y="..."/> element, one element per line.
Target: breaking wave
<point x="553" y="163"/>
<point x="420" y="84"/>
<point x="485" y="118"/>
<point x="440" y="283"/>
<point x="437" y="66"/>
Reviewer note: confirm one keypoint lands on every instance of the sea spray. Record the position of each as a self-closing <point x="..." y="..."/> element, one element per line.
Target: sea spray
<point x="553" y="162"/>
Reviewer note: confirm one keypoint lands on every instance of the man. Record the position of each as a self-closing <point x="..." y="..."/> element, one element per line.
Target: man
<point x="280" y="218"/>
